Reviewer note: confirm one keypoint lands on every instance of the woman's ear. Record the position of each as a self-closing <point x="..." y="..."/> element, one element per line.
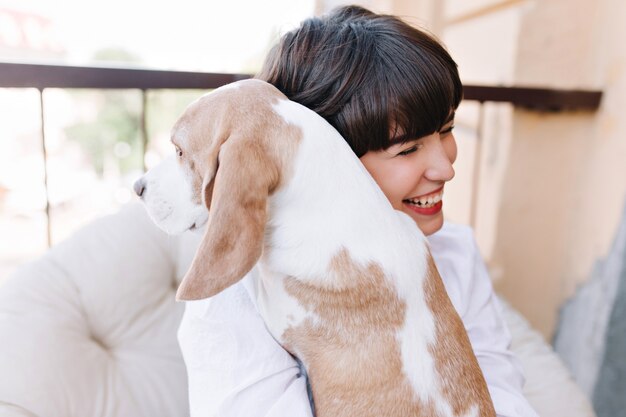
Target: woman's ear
<point x="233" y="241"/>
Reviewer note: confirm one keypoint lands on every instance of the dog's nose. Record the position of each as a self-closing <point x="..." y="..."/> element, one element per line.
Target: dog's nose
<point x="139" y="186"/>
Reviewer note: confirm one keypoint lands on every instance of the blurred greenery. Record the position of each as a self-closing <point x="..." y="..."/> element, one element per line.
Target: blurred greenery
<point x="118" y="121"/>
<point x="164" y="107"/>
<point x="110" y="55"/>
<point x="114" y="132"/>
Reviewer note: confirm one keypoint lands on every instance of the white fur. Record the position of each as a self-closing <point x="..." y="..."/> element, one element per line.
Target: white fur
<point x="279" y="310"/>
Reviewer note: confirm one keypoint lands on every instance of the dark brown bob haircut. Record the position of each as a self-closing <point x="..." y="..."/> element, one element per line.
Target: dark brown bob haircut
<point x="373" y="77"/>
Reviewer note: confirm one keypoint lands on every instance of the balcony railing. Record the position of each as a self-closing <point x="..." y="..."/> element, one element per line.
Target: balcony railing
<point x="41" y="77"/>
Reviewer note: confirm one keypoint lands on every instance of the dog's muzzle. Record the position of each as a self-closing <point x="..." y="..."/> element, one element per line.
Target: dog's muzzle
<point x="167" y="195"/>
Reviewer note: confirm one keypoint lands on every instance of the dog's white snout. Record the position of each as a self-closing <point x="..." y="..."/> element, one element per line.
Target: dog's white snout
<point x="140" y="186"/>
<point x="167" y="194"/>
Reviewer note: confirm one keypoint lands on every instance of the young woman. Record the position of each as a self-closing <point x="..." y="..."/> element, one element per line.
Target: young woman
<point x="391" y="91"/>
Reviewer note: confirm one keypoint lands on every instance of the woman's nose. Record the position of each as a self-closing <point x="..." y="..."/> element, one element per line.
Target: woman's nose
<point x="440" y="159"/>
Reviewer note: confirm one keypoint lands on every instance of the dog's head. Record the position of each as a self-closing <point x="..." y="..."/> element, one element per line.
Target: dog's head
<point x="231" y="151"/>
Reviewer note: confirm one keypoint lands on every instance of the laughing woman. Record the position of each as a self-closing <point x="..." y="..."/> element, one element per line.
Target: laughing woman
<point x="391" y="91"/>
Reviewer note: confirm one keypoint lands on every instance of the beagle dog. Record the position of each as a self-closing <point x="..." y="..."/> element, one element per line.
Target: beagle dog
<point x="347" y="284"/>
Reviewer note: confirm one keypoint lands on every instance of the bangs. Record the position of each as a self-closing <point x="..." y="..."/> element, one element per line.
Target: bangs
<point x="402" y="99"/>
<point x="422" y="107"/>
<point x="373" y="77"/>
<point x="420" y="95"/>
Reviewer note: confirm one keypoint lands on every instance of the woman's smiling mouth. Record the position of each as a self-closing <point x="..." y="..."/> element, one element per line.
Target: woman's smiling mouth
<point x="427" y="204"/>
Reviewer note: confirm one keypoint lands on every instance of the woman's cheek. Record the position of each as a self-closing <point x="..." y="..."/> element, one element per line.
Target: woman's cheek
<point x="396" y="181"/>
<point x="451" y="148"/>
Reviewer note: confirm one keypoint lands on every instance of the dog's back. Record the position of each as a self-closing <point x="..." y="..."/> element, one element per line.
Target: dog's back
<point x="374" y="325"/>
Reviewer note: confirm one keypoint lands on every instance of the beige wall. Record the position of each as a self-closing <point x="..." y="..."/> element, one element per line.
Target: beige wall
<point x="552" y="185"/>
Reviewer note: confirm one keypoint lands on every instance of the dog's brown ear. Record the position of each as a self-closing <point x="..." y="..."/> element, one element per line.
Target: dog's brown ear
<point x="233" y="240"/>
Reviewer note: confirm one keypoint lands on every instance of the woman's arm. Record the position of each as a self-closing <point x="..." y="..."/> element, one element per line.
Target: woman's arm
<point x="235" y="368"/>
<point x="491" y="341"/>
<point x="469" y="287"/>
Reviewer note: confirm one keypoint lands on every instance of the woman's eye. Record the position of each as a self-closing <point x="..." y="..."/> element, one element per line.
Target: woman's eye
<point x="409" y="150"/>
<point x="446" y="131"/>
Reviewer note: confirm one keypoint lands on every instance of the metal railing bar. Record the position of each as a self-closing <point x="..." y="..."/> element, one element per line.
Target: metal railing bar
<point x="45" y="167"/>
<point x="476" y="167"/>
<point x="543" y="99"/>
<point x="144" y="129"/>
<point x="14" y="75"/>
<point x="18" y="75"/>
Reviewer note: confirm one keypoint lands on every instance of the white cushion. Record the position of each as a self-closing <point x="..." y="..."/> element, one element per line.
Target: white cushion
<point x="549" y="387"/>
<point x="90" y="328"/>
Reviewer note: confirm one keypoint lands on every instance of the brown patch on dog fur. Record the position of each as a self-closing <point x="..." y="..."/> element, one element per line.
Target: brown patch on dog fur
<point x="353" y="357"/>
<point x="237" y="130"/>
<point x="460" y="376"/>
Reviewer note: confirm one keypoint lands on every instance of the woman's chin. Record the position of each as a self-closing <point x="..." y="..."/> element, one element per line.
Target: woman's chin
<point x="432" y="225"/>
<point x="427" y="224"/>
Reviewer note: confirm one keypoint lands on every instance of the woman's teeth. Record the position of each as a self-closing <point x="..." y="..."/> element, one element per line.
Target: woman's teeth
<point x="426" y="201"/>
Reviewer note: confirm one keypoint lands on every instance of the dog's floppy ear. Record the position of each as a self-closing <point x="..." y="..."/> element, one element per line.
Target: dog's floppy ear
<point x="233" y="240"/>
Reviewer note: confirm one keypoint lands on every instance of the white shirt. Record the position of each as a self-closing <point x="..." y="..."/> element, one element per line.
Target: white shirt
<point x="236" y="368"/>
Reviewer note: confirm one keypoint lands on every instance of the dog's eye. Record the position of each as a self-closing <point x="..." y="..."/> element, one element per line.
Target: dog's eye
<point x="179" y="152"/>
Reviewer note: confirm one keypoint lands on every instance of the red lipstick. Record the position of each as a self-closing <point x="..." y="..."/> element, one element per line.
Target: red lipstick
<point x="426" y="211"/>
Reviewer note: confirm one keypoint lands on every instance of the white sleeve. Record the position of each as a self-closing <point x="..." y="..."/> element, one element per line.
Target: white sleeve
<point x="491" y="340"/>
<point x="235" y="368"/>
